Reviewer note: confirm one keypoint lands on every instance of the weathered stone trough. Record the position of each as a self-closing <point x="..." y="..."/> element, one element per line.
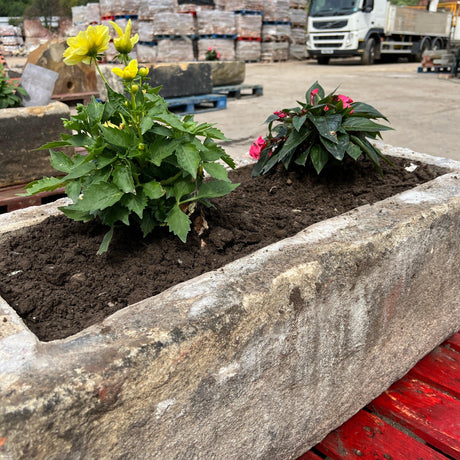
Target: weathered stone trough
<point x="22" y="131"/>
<point x="259" y="359"/>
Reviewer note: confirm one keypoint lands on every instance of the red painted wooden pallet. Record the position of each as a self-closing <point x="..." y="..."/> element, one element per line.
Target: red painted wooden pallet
<point x="10" y="201"/>
<point x="417" y="418"/>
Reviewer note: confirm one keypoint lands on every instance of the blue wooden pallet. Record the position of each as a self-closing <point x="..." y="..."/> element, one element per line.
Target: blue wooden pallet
<point x="436" y="69"/>
<point x="276" y="23"/>
<point x="238" y="91"/>
<point x="173" y="37"/>
<point x="197" y="104"/>
<point x="249" y="12"/>
<point x="223" y="36"/>
<point x="126" y="16"/>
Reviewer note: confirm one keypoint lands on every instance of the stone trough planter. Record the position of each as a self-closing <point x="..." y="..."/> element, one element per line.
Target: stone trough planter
<point x="259" y="359"/>
<point x="22" y="131"/>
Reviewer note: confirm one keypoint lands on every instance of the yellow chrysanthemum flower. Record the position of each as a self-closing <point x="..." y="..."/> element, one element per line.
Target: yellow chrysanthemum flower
<point x="129" y="72"/>
<point x="124" y="43"/>
<point x="87" y="45"/>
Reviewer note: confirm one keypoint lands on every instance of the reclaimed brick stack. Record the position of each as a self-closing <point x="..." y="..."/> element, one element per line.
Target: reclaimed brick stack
<point x="245" y="30"/>
<point x="298" y="19"/>
<point x="11" y="41"/>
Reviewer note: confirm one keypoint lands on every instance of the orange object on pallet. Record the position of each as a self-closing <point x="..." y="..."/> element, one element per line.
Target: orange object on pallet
<point x="10" y="201"/>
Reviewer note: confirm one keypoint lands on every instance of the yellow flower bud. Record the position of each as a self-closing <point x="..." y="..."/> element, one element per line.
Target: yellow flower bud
<point x="124" y="43"/>
<point x="134" y="88"/>
<point x="143" y="71"/>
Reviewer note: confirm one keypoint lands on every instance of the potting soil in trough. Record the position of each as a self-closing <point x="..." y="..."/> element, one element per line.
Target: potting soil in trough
<point x="53" y="278"/>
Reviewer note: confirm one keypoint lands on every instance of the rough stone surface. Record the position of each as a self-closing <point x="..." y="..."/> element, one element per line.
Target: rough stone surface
<point x="22" y="130"/>
<point x="79" y="78"/>
<point x="178" y="79"/>
<point x="259" y="359"/>
<point x="227" y="72"/>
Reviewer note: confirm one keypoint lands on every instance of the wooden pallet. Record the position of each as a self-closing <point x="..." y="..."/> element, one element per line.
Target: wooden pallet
<point x="197" y="104"/>
<point x="238" y="91"/>
<point x="418" y="417"/>
<point x="10" y="201"/>
<point x="84" y="97"/>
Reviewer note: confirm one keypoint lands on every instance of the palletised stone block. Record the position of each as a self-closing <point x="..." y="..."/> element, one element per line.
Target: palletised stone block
<point x="22" y="130"/>
<point x="227" y="72"/>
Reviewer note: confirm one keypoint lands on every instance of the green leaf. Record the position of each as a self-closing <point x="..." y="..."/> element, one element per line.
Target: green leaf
<point x="178" y="222"/>
<point x="319" y="157"/>
<point x="217" y="171"/>
<point x="213" y="189"/>
<point x="180" y="189"/>
<point x="80" y="170"/>
<point x="136" y="203"/>
<point x="361" y="109"/>
<point x="116" y="102"/>
<point x="61" y="161"/>
<point x="73" y="190"/>
<point x="354" y="151"/>
<point x="320" y="94"/>
<point x="327" y="125"/>
<point x="160" y="150"/>
<point x="188" y="158"/>
<point x="337" y="150"/>
<point x="105" y="242"/>
<point x="302" y="158"/>
<point x="169" y="118"/>
<point x="146" y="124"/>
<point x="153" y="190"/>
<point x="47" y="184"/>
<point x="97" y="197"/>
<point x="367" y="148"/>
<point x="94" y="110"/>
<point x="119" y="137"/>
<point x="298" y="122"/>
<point x="363" y="124"/>
<point x="74" y="214"/>
<point x="148" y="223"/>
<point x="123" y="178"/>
<point x="113" y="214"/>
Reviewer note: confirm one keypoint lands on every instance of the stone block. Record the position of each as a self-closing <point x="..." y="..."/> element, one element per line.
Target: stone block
<point x="22" y="130"/>
<point x="227" y="72"/>
<point x="259" y="359"/>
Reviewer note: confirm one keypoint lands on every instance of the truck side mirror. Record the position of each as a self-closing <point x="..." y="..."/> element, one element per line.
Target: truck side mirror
<point x="368" y="6"/>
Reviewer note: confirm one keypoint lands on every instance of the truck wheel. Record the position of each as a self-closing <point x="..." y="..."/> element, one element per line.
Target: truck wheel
<point x="370" y="52"/>
<point x="437" y="44"/>
<point x="323" y="60"/>
<point x="424" y="45"/>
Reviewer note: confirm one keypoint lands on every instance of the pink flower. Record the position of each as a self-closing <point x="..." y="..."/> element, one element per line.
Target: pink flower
<point x="313" y="93"/>
<point x="346" y="101"/>
<point x="280" y="114"/>
<point x="210" y="48"/>
<point x="218" y="55"/>
<point x="326" y="108"/>
<point x="257" y="147"/>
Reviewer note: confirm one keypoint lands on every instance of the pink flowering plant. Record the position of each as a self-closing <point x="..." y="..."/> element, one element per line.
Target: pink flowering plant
<point x="323" y="128"/>
<point x="212" y="54"/>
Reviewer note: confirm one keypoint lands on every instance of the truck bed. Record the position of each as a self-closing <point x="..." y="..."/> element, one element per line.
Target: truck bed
<point x="409" y="21"/>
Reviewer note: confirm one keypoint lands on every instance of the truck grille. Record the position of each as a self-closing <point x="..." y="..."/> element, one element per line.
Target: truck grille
<point x="330" y="24"/>
<point x="328" y="41"/>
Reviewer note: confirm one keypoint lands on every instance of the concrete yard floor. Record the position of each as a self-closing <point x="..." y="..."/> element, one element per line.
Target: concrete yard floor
<point x="423" y="108"/>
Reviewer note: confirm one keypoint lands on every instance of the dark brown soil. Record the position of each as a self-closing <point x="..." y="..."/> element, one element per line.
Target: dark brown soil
<point x="53" y="278"/>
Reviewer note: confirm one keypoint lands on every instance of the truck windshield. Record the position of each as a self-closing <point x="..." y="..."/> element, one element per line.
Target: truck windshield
<point x="333" y="7"/>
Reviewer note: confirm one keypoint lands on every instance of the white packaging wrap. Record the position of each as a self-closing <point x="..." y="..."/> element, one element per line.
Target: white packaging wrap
<point x="244" y="5"/>
<point x="216" y="22"/>
<point x="275" y="51"/>
<point x="145" y="31"/>
<point x="298" y="51"/>
<point x="174" y="24"/>
<point x="149" y="8"/>
<point x="249" y="25"/>
<point x="298" y="17"/>
<point x="147" y="53"/>
<point x="298" y="35"/>
<point x="92" y="13"/>
<point x="276" y="10"/>
<point x="276" y="32"/>
<point x="248" y="50"/>
<point x="175" y="50"/>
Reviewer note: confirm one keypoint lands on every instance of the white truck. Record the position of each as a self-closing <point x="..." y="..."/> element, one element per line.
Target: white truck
<point x="373" y="29"/>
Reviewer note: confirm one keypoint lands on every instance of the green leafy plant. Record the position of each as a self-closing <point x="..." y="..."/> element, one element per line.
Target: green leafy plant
<point x="144" y="165"/>
<point x="323" y="128"/>
<point x="9" y="95"/>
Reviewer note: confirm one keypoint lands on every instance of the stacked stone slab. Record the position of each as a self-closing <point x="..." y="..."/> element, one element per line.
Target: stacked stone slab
<point x="249" y="33"/>
<point x="216" y="30"/>
<point x="11" y="40"/>
<point x="298" y="19"/>
<point x="276" y="30"/>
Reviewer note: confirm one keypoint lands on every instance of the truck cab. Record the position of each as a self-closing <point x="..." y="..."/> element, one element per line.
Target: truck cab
<point x="345" y="28"/>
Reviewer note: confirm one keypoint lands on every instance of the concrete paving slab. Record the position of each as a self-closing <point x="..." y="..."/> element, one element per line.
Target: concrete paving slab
<point x="423" y="109"/>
